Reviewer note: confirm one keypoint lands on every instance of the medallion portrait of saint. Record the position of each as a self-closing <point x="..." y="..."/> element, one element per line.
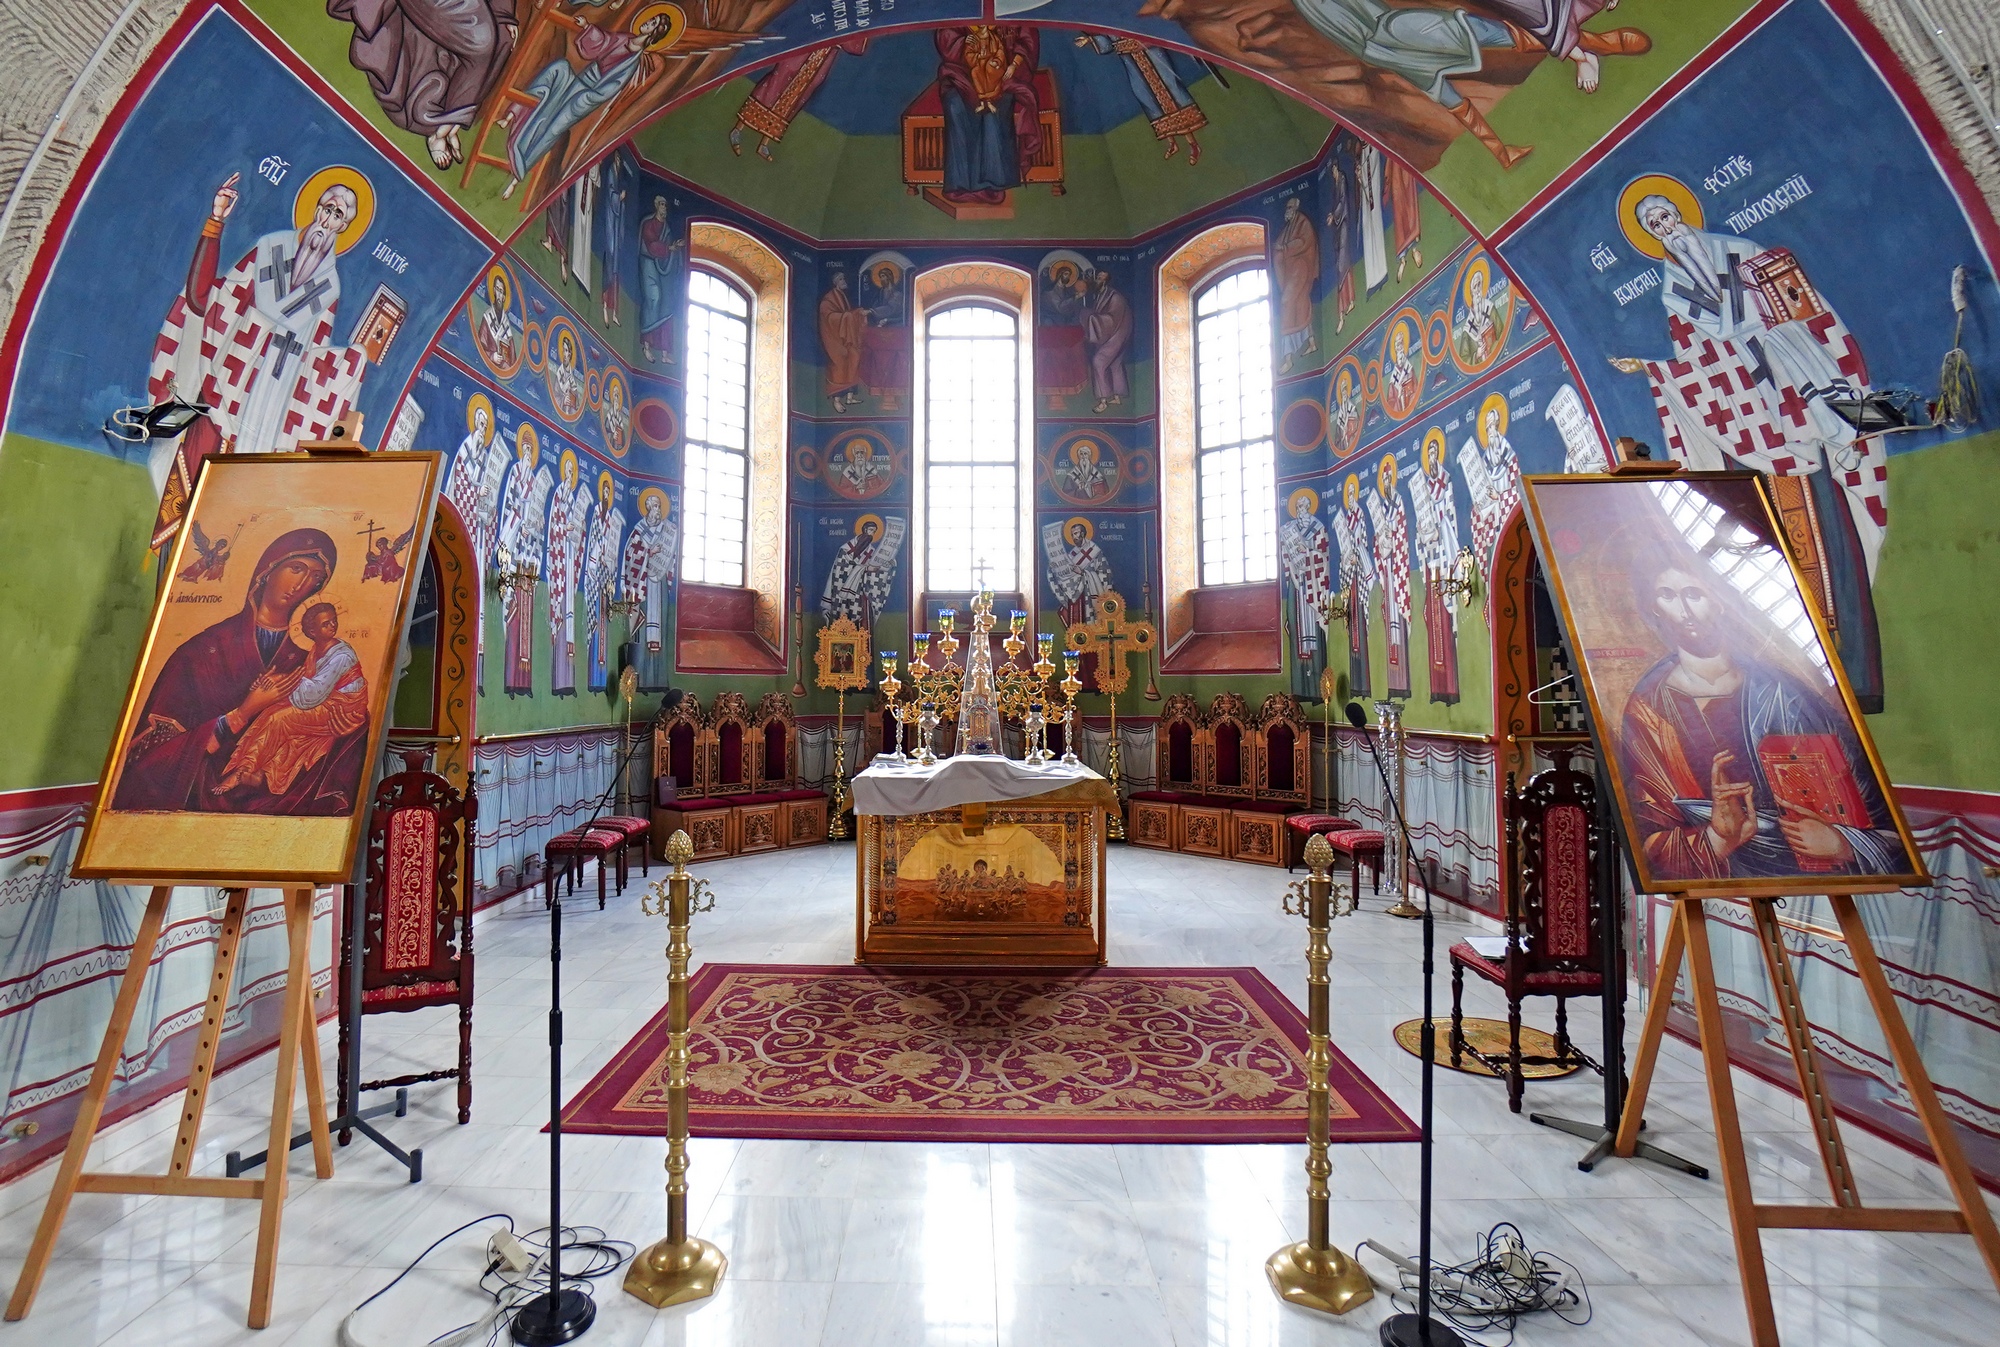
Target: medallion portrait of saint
<point x="1085" y="471"/>
<point x="614" y="413"/>
<point x="563" y="372"/>
<point x="494" y="315"/>
<point x="1482" y="308"/>
<point x="1403" y="365"/>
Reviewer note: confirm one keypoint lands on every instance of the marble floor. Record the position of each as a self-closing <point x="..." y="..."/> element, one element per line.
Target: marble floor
<point x="883" y="1244"/>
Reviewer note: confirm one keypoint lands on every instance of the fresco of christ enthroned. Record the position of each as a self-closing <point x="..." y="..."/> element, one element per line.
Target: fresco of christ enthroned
<point x="990" y="122"/>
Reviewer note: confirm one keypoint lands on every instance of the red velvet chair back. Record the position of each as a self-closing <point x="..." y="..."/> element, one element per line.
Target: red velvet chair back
<point x="774" y="754"/>
<point x="1177" y="744"/>
<point x="677" y="742"/>
<point x="417" y="925"/>
<point x="1230" y="769"/>
<point x="1553" y="839"/>
<point x="1284" y="751"/>
<point x="728" y="728"/>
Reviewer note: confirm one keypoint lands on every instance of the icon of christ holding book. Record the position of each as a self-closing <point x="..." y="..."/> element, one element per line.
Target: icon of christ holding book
<point x="1735" y="767"/>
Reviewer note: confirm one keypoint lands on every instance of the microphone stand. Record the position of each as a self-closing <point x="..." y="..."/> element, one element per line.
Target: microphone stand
<point x="1419" y="1329"/>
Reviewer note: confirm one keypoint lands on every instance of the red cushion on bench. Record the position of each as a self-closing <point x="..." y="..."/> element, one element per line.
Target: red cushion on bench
<point x="1581" y="981"/>
<point x="631" y="825"/>
<point x="790" y="795"/>
<point x="1163" y="797"/>
<point x="1355" y="839"/>
<point x="593" y="839"/>
<point x="1320" y="823"/>
<point x="697" y="806"/>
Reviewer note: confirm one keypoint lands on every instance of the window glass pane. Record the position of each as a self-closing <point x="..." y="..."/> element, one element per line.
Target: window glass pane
<point x="716" y="464"/>
<point x="1234" y="454"/>
<point x="972" y="442"/>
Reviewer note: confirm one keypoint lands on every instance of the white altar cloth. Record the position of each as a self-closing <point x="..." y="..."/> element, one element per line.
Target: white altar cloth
<point x="966" y="779"/>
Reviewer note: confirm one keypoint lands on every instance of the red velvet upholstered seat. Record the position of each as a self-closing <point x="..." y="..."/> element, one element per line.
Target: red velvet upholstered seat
<point x="1572" y="982"/>
<point x="564" y="854"/>
<point x="1300" y="828"/>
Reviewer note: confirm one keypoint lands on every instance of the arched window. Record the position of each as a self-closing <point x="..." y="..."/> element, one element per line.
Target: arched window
<point x="716" y="464"/>
<point x="1234" y="456"/>
<point x="972" y="444"/>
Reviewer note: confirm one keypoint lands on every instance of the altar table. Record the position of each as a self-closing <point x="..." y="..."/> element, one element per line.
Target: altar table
<point x="980" y="860"/>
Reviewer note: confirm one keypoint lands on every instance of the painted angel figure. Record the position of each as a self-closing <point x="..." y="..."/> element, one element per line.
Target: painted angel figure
<point x="384" y="561"/>
<point x="210" y="559"/>
<point x="1079" y="571"/>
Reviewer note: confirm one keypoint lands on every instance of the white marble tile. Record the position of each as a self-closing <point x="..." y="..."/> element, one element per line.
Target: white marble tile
<point x="1068" y="1244"/>
<point x="940" y="1313"/>
<point x="779" y="1238"/>
<point x="1082" y="1316"/>
<point x="83" y="1301"/>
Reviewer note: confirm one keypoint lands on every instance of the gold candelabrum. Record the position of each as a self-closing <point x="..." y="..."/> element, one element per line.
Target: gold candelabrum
<point x="1462" y="582"/>
<point x="680" y="1267"/>
<point x="1314" y="1274"/>
<point x="892" y="688"/>
<point x="936" y="687"/>
<point x="1070" y="686"/>
<point x="1024" y="692"/>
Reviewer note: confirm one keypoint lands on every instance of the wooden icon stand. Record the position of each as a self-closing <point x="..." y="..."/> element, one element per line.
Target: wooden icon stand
<point x="1688" y="931"/>
<point x="297" y="1037"/>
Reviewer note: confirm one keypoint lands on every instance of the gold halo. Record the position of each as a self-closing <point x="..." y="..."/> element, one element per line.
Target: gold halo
<point x="666" y="502"/>
<point x="1494" y="401"/>
<point x="496" y="272"/>
<point x="1655" y="184"/>
<point x="1089" y="529"/>
<point x="1433" y="439"/>
<point x="1077" y="446"/>
<point x="1480" y="265"/>
<point x="1386" y="472"/>
<point x="858" y="447"/>
<point x="874" y="519"/>
<point x="296" y="628"/>
<point x="1350" y="490"/>
<point x="307" y="201"/>
<point x="677" y="25"/>
<point x="567" y="467"/>
<point x="473" y="404"/>
<point x="1304" y="493"/>
<point x="606" y="484"/>
<point x="526" y="435"/>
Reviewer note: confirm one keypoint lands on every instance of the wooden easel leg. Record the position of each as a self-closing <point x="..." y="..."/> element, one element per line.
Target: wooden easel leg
<point x="1728" y="1130"/>
<point x="322" y="1140"/>
<point x="91" y="1107"/>
<point x="298" y="995"/>
<point x="1923" y="1095"/>
<point x="1654" y="1030"/>
<point x="201" y="1072"/>
<point x="1805" y="1057"/>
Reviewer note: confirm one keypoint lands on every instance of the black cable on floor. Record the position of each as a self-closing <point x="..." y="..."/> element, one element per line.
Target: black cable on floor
<point x="1503" y="1281"/>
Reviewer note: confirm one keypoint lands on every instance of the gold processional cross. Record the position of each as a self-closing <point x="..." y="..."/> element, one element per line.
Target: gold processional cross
<point x="1112" y="637"/>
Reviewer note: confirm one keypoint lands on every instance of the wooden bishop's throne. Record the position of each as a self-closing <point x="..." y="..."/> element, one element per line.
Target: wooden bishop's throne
<point x="1553" y="918"/>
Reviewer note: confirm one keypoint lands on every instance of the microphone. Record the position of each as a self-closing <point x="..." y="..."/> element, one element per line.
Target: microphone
<point x="1419" y="1329"/>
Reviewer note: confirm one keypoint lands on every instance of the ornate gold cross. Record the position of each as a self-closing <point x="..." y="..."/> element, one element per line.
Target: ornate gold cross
<point x="1112" y="637"/>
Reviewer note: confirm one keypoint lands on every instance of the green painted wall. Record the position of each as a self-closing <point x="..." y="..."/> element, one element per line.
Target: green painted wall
<point x="75" y="595"/>
<point x="1938" y="605"/>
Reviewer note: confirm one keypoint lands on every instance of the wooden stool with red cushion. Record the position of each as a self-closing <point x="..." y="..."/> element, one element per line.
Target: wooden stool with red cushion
<point x="1553" y="918"/>
<point x="1360" y="846"/>
<point x="1299" y="828"/>
<point x="636" y="832"/>
<point x="563" y="858"/>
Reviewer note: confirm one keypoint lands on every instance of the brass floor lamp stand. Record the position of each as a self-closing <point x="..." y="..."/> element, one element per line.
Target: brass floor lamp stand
<point x="681" y="1267"/>
<point x="1688" y="932"/>
<point x="1314" y="1273"/>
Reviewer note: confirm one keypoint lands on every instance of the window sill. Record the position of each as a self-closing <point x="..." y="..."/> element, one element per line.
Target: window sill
<point x="1235" y="631"/>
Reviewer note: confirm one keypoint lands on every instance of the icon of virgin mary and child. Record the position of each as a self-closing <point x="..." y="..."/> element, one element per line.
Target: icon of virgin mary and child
<point x="243" y="719"/>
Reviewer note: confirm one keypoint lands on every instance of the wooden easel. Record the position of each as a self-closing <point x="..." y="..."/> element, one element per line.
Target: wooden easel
<point x="1688" y="931"/>
<point x="297" y="1036"/>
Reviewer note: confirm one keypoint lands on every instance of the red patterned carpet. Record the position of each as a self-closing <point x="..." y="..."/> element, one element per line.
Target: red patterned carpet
<point x="835" y="1052"/>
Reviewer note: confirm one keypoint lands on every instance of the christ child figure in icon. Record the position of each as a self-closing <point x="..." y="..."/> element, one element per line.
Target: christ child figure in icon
<point x="297" y="718"/>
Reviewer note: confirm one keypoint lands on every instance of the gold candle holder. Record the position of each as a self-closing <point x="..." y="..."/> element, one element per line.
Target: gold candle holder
<point x="891" y="689"/>
<point x="680" y="1267"/>
<point x="1313" y="1274"/>
<point x="836" y="827"/>
<point x="1070" y="686"/>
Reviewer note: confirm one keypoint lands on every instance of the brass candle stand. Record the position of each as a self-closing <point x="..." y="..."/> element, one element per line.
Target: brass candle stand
<point x="892" y="688"/>
<point x="1070" y="686"/>
<point x="1024" y="693"/>
<point x="936" y="688"/>
<point x="680" y="1267"/>
<point x="841" y="663"/>
<point x="1313" y="1274"/>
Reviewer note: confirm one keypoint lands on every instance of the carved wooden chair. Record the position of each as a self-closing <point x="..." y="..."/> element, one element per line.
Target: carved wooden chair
<point x="1178" y="745"/>
<point x="416" y="916"/>
<point x="677" y="744"/>
<point x="1229" y="762"/>
<point x="729" y="752"/>
<point x="774" y="745"/>
<point x="1553" y="918"/>
<point x="1284" y="751"/>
